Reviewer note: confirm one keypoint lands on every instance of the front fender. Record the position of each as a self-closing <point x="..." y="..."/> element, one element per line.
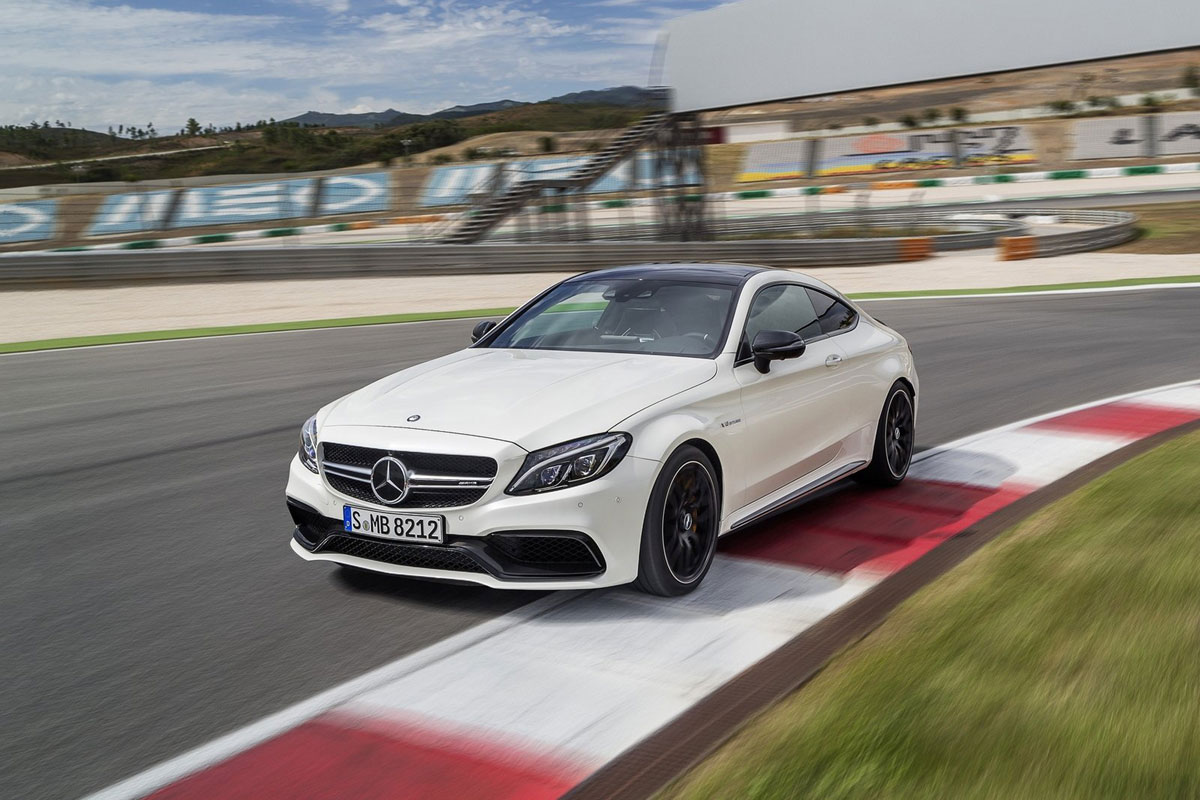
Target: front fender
<point x="655" y="438"/>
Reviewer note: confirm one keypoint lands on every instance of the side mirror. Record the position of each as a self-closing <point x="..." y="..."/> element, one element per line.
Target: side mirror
<point x="481" y="330"/>
<point x="771" y="346"/>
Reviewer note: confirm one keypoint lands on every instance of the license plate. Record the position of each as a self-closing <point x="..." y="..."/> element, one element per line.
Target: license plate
<point x="420" y="528"/>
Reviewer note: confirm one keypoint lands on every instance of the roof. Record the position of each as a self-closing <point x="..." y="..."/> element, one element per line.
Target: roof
<point x="712" y="273"/>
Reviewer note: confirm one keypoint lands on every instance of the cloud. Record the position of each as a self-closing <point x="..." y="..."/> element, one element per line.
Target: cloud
<point x="102" y="64"/>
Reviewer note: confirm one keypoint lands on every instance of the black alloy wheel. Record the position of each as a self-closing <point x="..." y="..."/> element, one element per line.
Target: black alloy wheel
<point x="689" y="524"/>
<point x="683" y="517"/>
<point x="899" y="433"/>
<point x="895" y="440"/>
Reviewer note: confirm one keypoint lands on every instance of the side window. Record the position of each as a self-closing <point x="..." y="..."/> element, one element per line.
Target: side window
<point x="834" y="315"/>
<point x="784" y="307"/>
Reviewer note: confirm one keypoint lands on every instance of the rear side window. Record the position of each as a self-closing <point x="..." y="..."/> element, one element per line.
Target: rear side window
<point x="833" y="315"/>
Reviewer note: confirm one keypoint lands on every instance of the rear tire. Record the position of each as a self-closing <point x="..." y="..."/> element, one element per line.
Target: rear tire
<point x="895" y="436"/>
<point x="679" y="534"/>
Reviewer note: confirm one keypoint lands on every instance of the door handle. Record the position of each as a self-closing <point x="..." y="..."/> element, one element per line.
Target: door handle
<point x="833" y="361"/>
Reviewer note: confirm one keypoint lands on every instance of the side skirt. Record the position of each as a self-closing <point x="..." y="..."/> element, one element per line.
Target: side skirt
<point x="797" y="495"/>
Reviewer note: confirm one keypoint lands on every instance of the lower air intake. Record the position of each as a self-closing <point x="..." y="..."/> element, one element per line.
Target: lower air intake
<point x="402" y="555"/>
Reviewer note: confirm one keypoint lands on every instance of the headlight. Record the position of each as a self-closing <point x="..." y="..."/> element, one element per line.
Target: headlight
<point x="570" y="463"/>
<point x="308" y="444"/>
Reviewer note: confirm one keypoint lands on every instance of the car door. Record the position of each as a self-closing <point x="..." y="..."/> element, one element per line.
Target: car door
<point x="860" y="371"/>
<point x="794" y="414"/>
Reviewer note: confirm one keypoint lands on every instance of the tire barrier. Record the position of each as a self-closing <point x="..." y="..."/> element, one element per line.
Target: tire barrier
<point x="181" y="265"/>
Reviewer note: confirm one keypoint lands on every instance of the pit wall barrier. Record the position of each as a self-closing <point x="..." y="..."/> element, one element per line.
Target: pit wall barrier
<point x="1109" y="227"/>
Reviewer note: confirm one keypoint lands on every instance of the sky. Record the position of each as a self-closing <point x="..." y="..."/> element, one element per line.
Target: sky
<point x="94" y="63"/>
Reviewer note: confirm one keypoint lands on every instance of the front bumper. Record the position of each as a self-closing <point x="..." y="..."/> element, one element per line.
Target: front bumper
<point x="605" y="516"/>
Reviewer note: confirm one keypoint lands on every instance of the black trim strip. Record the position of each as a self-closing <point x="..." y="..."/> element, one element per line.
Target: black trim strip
<point x="794" y="497"/>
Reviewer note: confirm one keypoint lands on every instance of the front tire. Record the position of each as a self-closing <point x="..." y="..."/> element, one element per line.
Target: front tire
<point x="895" y="437"/>
<point x="679" y="534"/>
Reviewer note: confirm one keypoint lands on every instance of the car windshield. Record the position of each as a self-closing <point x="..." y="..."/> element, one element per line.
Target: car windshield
<point x="661" y="317"/>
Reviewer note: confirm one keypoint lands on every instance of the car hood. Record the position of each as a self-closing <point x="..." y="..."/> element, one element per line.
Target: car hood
<point x="533" y="398"/>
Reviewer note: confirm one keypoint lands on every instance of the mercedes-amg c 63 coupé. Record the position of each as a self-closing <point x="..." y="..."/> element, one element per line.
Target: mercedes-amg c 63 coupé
<point x="608" y="432"/>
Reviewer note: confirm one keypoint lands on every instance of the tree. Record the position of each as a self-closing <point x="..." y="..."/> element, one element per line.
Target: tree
<point x="959" y="114"/>
<point x="547" y="144"/>
<point x="871" y="122"/>
<point x="1191" y="79"/>
<point x="192" y="127"/>
<point x="932" y="115"/>
<point x="909" y="121"/>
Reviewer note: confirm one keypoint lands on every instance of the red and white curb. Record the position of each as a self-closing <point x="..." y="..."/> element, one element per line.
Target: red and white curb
<point x="530" y="704"/>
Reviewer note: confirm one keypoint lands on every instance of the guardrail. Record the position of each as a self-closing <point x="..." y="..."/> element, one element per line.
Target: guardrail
<point x="123" y="266"/>
<point x="1111" y="228"/>
<point x="976" y="230"/>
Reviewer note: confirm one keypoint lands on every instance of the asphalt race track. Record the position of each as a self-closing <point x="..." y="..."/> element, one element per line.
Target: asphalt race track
<point x="150" y="601"/>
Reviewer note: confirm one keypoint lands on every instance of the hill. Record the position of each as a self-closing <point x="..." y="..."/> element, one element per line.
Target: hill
<point x="627" y="96"/>
<point x="54" y="143"/>
<point x="617" y="96"/>
<point x="458" y="112"/>
<point x="365" y="120"/>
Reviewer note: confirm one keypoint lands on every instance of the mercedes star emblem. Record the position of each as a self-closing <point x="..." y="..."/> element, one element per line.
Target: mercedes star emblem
<point x="389" y="480"/>
<point x="414" y="418"/>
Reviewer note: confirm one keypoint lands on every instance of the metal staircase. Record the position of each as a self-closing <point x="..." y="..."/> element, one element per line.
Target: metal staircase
<point x="483" y="219"/>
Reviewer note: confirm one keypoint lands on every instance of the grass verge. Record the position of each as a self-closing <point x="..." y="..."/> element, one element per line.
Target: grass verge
<point x="1044" y="287"/>
<point x="1169" y="228"/>
<point x="266" y="327"/>
<point x="429" y="316"/>
<point x="1060" y="661"/>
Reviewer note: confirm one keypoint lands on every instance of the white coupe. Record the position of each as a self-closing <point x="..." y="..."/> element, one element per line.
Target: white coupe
<point x="608" y="432"/>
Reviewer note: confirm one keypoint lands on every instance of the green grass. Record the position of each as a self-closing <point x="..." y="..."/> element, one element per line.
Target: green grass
<point x="1060" y="661"/>
<point x="1164" y="228"/>
<point x="427" y="316"/>
<point x="1046" y="287"/>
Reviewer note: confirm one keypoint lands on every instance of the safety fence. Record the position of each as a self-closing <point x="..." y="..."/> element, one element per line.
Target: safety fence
<point x="1107" y="228"/>
<point x="460" y="184"/>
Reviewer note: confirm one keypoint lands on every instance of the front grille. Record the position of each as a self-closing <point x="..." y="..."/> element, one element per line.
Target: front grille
<point x="543" y="549"/>
<point x="403" y="555"/>
<point x="437" y="482"/>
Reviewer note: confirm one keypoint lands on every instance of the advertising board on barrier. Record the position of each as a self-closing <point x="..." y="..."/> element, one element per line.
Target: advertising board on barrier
<point x="1174" y="134"/>
<point x="1179" y="133"/>
<point x="27" y="222"/>
<point x="995" y="145"/>
<point x="1109" y="137"/>
<point x="220" y="205"/>
<point x="354" y="194"/>
<point x="454" y="185"/>
<point x="135" y="212"/>
<point x="775" y="161"/>
<point x="131" y="213"/>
